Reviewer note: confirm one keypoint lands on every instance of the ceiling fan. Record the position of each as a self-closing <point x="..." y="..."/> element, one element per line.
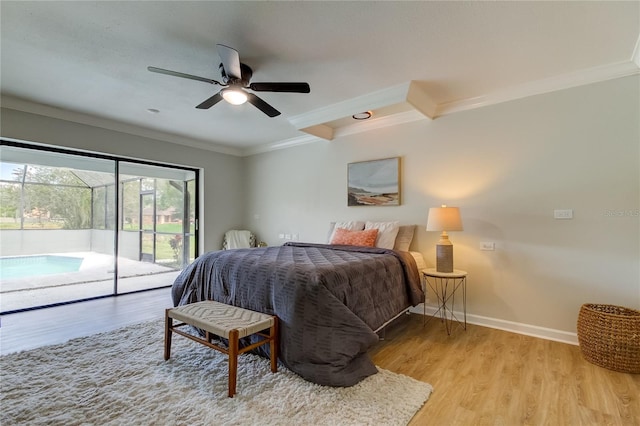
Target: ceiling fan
<point x="236" y="78"/>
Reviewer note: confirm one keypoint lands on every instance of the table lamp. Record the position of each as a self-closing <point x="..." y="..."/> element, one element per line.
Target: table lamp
<point x="444" y="219"/>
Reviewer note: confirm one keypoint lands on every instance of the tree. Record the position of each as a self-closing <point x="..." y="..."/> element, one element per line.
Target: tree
<point x="169" y="194"/>
<point x="59" y="193"/>
<point x="9" y="200"/>
<point x="131" y="204"/>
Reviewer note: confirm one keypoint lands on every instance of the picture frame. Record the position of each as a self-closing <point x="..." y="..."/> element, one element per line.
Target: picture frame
<point x="374" y="182"/>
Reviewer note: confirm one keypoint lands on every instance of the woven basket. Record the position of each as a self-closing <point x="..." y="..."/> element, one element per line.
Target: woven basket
<point x="609" y="336"/>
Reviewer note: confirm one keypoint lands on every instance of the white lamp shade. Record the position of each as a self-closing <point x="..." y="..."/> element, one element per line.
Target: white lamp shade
<point x="444" y="219"/>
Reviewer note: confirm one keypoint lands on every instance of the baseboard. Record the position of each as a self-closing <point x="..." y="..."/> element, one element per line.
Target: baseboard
<point x="514" y="327"/>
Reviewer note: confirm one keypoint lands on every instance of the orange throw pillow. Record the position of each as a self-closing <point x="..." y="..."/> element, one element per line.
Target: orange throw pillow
<point x="355" y="238"/>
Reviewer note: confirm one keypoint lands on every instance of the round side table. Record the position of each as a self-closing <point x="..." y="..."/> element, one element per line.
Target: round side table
<point x="445" y="285"/>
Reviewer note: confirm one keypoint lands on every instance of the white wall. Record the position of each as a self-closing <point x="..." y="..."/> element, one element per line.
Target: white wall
<point x="222" y="180"/>
<point x="507" y="167"/>
<point x="40" y="241"/>
<point x="102" y="242"/>
<point x="129" y="245"/>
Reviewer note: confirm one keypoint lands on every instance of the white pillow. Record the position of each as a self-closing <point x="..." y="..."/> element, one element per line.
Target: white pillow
<point x="387" y="233"/>
<point x="350" y="225"/>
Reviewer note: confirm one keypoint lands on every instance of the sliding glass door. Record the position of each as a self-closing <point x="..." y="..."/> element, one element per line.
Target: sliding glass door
<point x="78" y="226"/>
<point x="56" y="233"/>
<point x="158" y="218"/>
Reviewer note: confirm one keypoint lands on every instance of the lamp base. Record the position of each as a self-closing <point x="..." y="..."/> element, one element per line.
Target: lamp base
<point x="444" y="258"/>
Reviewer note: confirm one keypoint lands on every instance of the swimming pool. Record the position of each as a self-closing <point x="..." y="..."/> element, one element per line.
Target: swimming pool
<point x="29" y="266"/>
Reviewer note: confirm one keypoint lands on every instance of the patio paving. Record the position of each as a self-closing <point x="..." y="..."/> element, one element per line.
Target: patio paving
<point x="95" y="278"/>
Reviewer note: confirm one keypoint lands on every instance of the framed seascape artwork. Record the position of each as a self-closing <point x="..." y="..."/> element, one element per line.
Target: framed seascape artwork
<point x="374" y="183"/>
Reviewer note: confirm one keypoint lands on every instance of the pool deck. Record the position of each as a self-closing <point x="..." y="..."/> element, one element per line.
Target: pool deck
<point x="95" y="278"/>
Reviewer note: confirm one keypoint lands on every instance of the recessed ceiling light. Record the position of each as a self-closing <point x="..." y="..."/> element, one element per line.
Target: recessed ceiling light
<point x="362" y="115"/>
<point x="153" y="111"/>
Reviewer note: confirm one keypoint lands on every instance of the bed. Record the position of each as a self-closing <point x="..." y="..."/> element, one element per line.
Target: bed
<point x="330" y="299"/>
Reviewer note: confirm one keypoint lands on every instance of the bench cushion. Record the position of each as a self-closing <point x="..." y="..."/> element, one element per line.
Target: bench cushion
<point x="220" y="319"/>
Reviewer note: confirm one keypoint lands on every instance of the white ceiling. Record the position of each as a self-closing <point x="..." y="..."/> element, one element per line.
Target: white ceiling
<point x="87" y="61"/>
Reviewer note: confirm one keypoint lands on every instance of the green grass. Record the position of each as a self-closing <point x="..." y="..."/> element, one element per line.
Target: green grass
<point x="174" y="228"/>
<point x="170" y="228"/>
<point x="32" y="225"/>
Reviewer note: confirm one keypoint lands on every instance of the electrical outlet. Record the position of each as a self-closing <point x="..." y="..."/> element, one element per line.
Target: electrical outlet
<point x="489" y="246"/>
<point x="563" y="214"/>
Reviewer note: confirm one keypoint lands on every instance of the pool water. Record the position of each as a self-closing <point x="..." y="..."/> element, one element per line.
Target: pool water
<point x="29" y="266"/>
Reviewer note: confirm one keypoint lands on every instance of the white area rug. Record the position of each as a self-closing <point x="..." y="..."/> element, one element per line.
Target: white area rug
<point x="120" y="378"/>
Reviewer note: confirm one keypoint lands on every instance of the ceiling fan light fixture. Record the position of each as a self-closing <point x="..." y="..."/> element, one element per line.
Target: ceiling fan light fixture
<point x="234" y="96"/>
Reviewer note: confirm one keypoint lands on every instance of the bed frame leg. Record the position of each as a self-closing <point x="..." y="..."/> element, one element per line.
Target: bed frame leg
<point x="382" y="333"/>
<point x="273" y="345"/>
<point x="168" y="328"/>
<point x="233" y="361"/>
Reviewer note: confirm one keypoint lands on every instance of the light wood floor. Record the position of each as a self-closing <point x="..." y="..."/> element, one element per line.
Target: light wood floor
<point x="484" y="376"/>
<point x="40" y="327"/>
<point x="480" y="376"/>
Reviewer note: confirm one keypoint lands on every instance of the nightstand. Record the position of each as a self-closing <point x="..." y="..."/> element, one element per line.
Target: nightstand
<point x="445" y="285"/>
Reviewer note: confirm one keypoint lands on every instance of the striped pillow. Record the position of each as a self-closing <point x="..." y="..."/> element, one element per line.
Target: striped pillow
<point x="355" y="238"/>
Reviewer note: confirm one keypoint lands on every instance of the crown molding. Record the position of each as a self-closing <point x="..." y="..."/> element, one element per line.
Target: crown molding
<point x="552" y="84"/>
<point x="364" y="126"/>
<point x="377" y="99"/>
<point x="287" y="143"/>
<point x="322" y="122"/>
<point x="316" y="122"/>
<point x="11" y="102"/>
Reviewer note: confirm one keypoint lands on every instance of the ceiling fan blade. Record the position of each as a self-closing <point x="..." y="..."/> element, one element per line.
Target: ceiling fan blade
<point x="262" y="105"/>
<point x="210" y="102"/>
<point x="183" y="75"/>
<point x="230" y="61"/>
<point x="281" y="87"/>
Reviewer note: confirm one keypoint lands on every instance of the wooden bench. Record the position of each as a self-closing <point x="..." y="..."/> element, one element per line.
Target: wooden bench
<point x="226" y="321"/>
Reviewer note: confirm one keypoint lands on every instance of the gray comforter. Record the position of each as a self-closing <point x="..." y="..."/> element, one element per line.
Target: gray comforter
<point x="330" y="299"/>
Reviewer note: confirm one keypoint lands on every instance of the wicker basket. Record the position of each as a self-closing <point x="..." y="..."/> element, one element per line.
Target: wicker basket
<point x="609" y="336"/>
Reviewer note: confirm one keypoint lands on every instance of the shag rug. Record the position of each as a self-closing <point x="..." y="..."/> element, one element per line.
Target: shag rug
<point x="121" y="378"/>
